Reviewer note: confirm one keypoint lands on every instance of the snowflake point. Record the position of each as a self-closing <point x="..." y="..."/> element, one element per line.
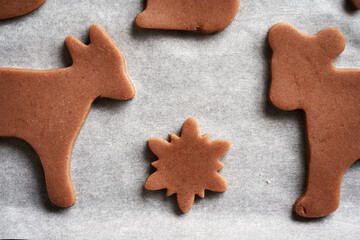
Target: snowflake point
<point x="190" y="128"/>
<point x="201" y="194"/>
<point x="155" y="181"/>
<point x="155" y="164"/>
<point x="158" y="146"/>
<point x="174" y="138"/>
<point x="169" y="192"/>
<point x="185" y="201"/>
<point x="206" y="137"/>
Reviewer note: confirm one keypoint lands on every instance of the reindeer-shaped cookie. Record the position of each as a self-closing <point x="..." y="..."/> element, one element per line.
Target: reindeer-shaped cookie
<point x="304" y="77"/>
<point x="206" y="16"/>
<point x="15" y="8"/>
<point x="47" y="108"/>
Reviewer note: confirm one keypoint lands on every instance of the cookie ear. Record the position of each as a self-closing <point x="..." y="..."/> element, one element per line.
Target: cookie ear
<point x="281" y="33"/>
<point x="75" y="47"/>
<point x="332" y="41"/>
<point x="98" y="36"/>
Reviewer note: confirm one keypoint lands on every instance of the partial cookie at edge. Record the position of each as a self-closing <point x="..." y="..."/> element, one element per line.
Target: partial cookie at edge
<point x="205" y="16"/>
<point x="16" y="8"/>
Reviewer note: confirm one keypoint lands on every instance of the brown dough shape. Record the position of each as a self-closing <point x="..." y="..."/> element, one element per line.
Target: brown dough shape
<point x="304" y="77"/>
<point x="187" y="165"/>
<point x="47" y="108"/>
<point x="16" y="8"/>
<point x="356" y="3"/>
<point x="205" y="16"/>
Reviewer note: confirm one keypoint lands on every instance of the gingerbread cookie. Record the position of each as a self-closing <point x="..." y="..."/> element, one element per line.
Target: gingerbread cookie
<point x="356" y="3"/>
<point x="187" y="165"/>
<point x="304" y="77"/>
<point x="47" y="108"/>
<point x="16" y="8"/>
<point x="205" y="16"/>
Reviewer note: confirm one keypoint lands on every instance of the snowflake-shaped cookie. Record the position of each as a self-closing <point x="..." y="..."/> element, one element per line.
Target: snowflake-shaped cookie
<point x="187" y="165"/>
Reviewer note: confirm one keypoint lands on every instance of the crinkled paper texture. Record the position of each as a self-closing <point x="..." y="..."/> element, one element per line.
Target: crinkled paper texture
<point x="221" y="80"/>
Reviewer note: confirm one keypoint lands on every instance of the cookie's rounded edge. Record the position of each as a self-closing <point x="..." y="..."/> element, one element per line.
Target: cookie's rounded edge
<point x="141" y="22"/>
<point x="277" y="29"/>
<point x="22" y="13"/>
<point x="303" y="211"/>
<point x="231" y="18"/>
<point x="332" y="40"/>
<point x="64" y="202"/>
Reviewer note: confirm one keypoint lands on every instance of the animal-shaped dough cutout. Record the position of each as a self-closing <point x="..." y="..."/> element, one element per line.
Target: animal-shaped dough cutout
<point x="187" y="165"/>
<point x="304" y="77"/>
<point x="47" y="108"/>
<point x="16" y="8"/>
<point x="205" y="16"/>
<point x="356" y="3"/>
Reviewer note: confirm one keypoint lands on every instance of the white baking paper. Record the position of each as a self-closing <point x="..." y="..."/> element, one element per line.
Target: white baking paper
<point x="221" y="80"/>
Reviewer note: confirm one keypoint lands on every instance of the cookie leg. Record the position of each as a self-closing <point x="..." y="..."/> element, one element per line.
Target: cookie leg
<point x="56" y="166"/>
<point x="322" y="194"/>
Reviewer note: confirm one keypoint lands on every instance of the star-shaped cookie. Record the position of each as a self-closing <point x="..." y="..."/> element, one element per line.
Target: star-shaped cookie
<point x="187" y="165"/>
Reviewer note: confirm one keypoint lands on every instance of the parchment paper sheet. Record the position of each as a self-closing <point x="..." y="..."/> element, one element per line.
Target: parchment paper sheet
<point x="222" y="80"/>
